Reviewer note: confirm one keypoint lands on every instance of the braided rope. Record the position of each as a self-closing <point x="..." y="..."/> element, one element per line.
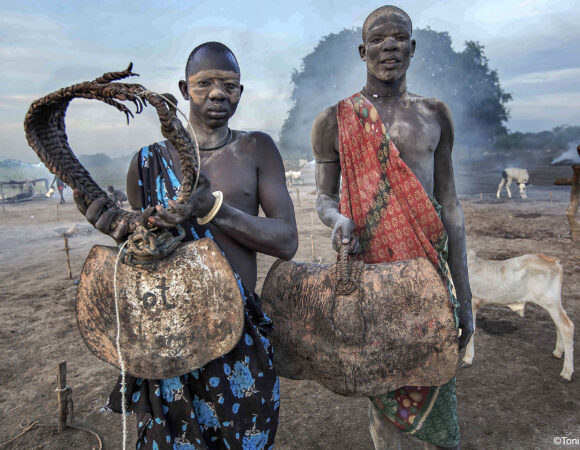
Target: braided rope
<point x="145" y="247"/>
<point x="346" y="274"/>
<point x="45" y="129"/>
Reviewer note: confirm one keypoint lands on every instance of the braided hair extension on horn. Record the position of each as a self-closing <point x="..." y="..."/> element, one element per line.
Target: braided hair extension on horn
<point x="45" y="129"/>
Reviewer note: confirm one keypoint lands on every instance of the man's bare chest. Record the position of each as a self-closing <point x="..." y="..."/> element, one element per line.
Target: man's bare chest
<point x="234" y="175"/>
<point x="416" y="139"/>
<point x="413" y="132"/>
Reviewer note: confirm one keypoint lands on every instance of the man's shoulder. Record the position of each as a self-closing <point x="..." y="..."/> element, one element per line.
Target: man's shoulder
<point x="254" y="138"/>
<point x="433" y="105"/>
<point x="257" y="146"/>
<point x="147" y="151"/>
<point x="256" y="142"/>
<point x="324" y="135"/>
<point x="153" y="147"/>
<point x="327" y="116"/>
<point x="156" y="145"/>
<point x="326" y="122"/>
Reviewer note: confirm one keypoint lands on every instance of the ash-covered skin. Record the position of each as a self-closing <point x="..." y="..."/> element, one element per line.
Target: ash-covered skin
<point x="422" y="130"/>
<point x="248" y="170"/>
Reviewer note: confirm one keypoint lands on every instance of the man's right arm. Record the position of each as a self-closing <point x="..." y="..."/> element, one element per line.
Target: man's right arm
<point x="325" y="147"/>
<point x="101" y="218"/>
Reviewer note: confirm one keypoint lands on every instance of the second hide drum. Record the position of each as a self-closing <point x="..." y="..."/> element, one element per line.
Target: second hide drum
<point x="175" y="315"/>
<point x="395" y="328"/>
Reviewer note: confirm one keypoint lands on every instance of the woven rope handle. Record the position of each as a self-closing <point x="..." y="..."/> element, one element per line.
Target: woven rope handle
<point x="45" y="129"/>
<point x="347" y="273"/>
<point x="344" y="265"/>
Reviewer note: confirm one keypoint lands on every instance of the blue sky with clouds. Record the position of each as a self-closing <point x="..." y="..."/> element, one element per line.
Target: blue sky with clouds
<point x="46" y="45"/>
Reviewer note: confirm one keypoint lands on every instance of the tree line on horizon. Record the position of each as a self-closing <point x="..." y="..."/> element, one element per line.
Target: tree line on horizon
<point x="462" y="79"/>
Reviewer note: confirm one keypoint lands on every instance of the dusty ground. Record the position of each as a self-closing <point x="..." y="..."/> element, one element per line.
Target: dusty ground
<point x="512" y="397"/>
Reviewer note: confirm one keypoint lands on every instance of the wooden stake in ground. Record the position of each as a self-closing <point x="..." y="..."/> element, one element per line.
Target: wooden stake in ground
<point x="67" y="256"/>
<point x="62" y="393"/>
<point x="572" y="211"/>
<point x="312" y="247"/>
<point x="298" y="196"/>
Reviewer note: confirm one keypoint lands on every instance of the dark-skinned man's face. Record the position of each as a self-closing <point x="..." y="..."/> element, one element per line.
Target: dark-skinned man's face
<point x="388" y="48"/>
<point x="213" y="92"/>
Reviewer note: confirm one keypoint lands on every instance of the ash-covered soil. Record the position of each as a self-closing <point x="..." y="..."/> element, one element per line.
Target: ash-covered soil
<point x="512" y="396"/>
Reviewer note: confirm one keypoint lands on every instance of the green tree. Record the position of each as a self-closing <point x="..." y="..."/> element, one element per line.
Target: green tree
<point x="463" y="80"/>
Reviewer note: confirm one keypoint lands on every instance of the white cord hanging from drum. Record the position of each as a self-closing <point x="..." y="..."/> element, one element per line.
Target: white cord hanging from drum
<point x="121" y="249"/>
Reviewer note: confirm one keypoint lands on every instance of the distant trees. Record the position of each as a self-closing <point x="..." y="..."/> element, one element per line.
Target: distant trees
<point x="106" y="170"/>
<point x="461" y="79"/>
<point x="556" y="139"/>
<point x="465" y="82"/>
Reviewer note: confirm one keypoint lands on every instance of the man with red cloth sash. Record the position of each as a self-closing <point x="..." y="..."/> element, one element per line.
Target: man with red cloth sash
<point x="398" y="201"/>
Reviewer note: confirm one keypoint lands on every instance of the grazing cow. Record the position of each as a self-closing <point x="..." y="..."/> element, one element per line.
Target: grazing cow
<point x="293" y="177"/>
<point x="517" y="281"/>
<point x="520" y="176"/>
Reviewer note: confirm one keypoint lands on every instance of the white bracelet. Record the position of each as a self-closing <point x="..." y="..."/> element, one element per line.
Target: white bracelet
<point x="219" y="198"/>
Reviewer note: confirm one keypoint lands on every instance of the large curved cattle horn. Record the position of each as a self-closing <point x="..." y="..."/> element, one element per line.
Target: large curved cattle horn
<point x="45" y="131"/>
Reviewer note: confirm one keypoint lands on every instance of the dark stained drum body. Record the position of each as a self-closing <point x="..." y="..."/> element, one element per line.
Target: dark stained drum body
<point x="395" y="329"/>
<point x="176" y="314"/>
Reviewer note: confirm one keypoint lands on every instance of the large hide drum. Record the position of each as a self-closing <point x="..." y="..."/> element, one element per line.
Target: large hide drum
<point x="395" y="328"/>
<point x="176" y="311"/>
<point x="176" y="315"/>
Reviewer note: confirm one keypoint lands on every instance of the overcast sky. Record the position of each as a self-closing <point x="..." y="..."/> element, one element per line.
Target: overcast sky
<point x="46" y="45"/>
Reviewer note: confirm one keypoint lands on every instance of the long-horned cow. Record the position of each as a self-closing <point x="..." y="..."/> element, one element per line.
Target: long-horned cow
<point x="517" y="281"/>
<point x="520" y="176"/>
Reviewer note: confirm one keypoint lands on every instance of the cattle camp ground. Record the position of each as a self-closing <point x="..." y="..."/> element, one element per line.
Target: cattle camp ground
<point x="512" y="396"/>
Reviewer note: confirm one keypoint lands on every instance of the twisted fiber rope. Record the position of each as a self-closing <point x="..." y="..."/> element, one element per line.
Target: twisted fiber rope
<point x="45" y="129"/>
<point x="144" y="247"/>
<point x="345" y="286"/>
<point x="346" y="274"/>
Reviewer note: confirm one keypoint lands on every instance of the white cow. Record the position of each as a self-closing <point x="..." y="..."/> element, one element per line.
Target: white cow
<point x="517" y="281"/>
<point x="520" y="176"/>
<point x="293" y="177"/>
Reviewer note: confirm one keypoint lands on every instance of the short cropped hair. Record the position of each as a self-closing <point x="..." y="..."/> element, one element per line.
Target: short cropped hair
<point x="213" y="46"/>
<point x="384" y="11"/>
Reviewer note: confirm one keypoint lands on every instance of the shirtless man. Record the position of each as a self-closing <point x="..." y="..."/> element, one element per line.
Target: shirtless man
<point x="60" y="187"/>
<point x="117" y="195"/>
<point x="231" y="402"/>
<point x="391" y="145"/>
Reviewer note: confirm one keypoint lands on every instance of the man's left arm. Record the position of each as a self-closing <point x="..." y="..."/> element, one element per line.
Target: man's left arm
<point x="276" y="234"/>
<point x="452" y="218"/>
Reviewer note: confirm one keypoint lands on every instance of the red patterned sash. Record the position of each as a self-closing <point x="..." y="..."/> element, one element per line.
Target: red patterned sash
<point x="395" y="220"/>
<point x="394" y="217"/>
